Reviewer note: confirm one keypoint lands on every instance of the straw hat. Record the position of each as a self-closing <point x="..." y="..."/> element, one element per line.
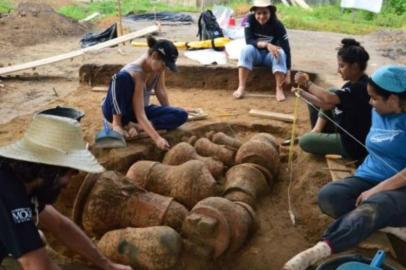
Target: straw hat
<point x="261" y="3"/>
<point x="53" y="140"/>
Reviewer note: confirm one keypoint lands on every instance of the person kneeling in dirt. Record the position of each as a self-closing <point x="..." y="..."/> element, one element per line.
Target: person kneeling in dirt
<point x="352" y="110"/>
<point x="375" y="197"/>
<point x="267" y="45"/>
<point x="127" y="100"/>
<point x="32" y="173"/>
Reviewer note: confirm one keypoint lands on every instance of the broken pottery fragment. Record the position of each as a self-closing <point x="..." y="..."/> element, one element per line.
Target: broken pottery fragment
<point x="111" y="201"/>
<point x="143" y="248"/>
<point x="209" y="149"/>
<point x="218" y="225"/>
<point x="188" y="183"/>
<point x="183" y="152"/>
<point x="261" y="150"/>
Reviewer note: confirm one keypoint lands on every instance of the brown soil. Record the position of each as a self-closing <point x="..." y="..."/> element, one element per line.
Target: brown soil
<point x="33" y="23"/>
<point x="276" y="239"/>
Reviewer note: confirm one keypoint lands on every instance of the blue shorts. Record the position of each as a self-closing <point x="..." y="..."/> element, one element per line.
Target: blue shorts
<point x="251" y="56"/>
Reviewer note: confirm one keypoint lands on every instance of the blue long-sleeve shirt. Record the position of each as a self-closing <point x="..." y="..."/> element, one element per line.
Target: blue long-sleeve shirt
<point x="272" y="31"/>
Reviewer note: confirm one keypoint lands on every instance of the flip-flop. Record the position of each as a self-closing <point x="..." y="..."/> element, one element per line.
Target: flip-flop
<point x="287" y="142"/>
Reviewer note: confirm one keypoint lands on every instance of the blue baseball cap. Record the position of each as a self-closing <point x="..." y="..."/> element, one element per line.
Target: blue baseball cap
<point x="391" y="78"/>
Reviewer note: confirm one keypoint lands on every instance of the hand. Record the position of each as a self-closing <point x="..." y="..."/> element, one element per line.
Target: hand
<point x="132" y="132"/>
<point x="273" y="49"/>
<point x="120" y="130"/>
<point x="162" y="144"/>
<point x="366" y="194"/>
<point x="302" y="79"/>
<point x="116" y="266"/>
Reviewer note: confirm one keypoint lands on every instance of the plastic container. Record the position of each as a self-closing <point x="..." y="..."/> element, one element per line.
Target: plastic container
<point x="64" y="112"/>
<point x="334" y="263"/>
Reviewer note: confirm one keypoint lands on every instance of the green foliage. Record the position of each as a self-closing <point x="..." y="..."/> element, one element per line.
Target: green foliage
<point x="333" y="18"/>
<point x="321" y="18"/>
<point x="109" y="8"/>
<point x="5" y="6"/>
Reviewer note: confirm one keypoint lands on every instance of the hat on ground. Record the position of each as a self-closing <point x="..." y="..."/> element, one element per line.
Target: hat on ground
<point x="53" y="140"/>
<point x="391" y="78"/>
<point x="261" y="3"/>
<point x="168" y="51"/>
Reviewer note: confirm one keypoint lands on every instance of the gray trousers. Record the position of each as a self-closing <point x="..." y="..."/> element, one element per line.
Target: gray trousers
<point x="355" y="224"/>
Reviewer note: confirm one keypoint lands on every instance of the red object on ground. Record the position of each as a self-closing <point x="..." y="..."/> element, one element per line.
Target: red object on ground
<point x="231" y="22"/>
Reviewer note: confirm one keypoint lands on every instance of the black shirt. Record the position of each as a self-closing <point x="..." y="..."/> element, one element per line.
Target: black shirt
<point x="272" y="31"/>
<point x="354" y="114"/>
<point x="18" y="233"/>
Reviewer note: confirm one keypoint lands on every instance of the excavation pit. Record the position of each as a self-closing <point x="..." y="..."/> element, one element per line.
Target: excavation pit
<point x="274" y="239"/>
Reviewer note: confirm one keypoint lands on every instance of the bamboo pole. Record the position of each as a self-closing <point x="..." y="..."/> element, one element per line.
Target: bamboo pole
<point x="120" y="22"/>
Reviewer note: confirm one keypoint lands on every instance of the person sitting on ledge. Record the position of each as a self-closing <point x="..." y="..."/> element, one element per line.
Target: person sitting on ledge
<point x="267" y="45"/>
<point x="375" y="197"/>
<point x="348" y="106"/>
<point x="33" y="171"/>
<point x="127" y="100"/>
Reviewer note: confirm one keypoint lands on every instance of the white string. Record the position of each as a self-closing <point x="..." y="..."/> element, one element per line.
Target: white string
<point x="349" y="134"/>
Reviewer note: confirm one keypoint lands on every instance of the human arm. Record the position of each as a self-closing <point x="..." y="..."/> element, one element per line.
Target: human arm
<point x="160" y="91"/>
<point x="326" y="99"/>
<point x="392" y="183"/>
<point x="139" y="110"/>
<point x="37" y="260"/>
<point x="282" y="39"/>
<point x="74" y="238"/>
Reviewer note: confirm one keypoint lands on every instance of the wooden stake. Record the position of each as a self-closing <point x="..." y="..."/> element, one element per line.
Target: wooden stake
<point x="272" y="115"/>
<point x="120" y="22"/>
<point x="61" y="57"/>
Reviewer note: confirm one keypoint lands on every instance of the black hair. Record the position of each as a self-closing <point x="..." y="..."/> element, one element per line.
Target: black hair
<point x="151" y="41"/>
<point x="30" y="171"/>
<point x="272" y="10"/>
<point x="385" y="94"/>
<point x="352" y="52"/>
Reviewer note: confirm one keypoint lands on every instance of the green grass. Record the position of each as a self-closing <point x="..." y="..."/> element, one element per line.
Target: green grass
<point x="331" y="18"/>
<point x="108" y="8"/>
<point x="5" y="6"/>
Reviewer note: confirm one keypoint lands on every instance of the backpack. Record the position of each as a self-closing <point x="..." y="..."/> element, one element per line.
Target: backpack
<point x="208" y="26"/>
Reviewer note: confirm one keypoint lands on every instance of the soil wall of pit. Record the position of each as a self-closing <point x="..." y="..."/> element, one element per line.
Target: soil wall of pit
<point x="202" y="77"/>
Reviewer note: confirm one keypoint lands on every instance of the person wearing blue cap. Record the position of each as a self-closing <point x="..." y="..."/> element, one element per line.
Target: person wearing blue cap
<point x="375" y="197"/>
<point x="127" y="100"/>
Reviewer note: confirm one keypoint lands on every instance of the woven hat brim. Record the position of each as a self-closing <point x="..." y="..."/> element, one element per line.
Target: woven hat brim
<point x="82" y="160"/>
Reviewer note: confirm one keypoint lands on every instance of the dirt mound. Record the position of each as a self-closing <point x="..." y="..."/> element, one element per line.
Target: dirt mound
<point x="34" y="23"/>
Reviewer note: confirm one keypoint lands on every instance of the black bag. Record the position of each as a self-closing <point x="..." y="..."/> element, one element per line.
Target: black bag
<point x="208" y="26"/>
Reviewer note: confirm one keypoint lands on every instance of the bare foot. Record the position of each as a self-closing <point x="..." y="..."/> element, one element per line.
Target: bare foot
<point x="239" y="93"/>
<point x="280" y="96"/>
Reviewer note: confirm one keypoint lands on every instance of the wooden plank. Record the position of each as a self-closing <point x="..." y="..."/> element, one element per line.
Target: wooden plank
<point x="73" y="54"/>
<point x="272" y="115"/>
<point x="378" y="240"/>
<point x="258" y="95"/>
<point x="99" y="89"/>
<point x="338" y="168"/>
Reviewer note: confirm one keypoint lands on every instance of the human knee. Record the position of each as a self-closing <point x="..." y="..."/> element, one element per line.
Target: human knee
<point x="181" y="115"/>
<point x="307" y="142"/>
<point x="247" y="54"/>
<point x="329" y="202"/>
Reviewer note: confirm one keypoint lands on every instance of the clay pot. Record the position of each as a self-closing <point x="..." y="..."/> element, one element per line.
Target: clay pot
<point x="223" y="139"/>
<point x="209" y="149"/>
<point x="183" y="152"/>
<point x="246" y="182"/>
<point x="111" y="201"/>
<point x="187" y="183"/>
<point x="143" y="248"/>
<point x="261" y="150"/>
<point x="219" y="225"/>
